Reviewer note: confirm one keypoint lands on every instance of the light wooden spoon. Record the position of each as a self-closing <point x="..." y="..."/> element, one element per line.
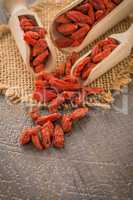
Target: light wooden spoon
<point x="122" y="51"/>
<point x="119" y="13"/>
<point x="18" y="34"/>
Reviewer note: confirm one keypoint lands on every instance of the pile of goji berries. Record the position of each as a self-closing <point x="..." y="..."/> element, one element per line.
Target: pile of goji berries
<point x="57" y="91"/>
<point x="35" y="38"/>
<point x="100" y="51"/>
<point x="74" y="25"/>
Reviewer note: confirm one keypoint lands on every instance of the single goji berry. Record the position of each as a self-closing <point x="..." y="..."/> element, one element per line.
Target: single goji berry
<point x="79" y="113"/>
<point x="87" y="70"/>
<point x="41" y="58"/>
<point x="80" y="66"/>
<point x="49" y="95"/>
<point x="39" y="68"/>
<point x="34" y="114"/>
<point x="56" y="103"/>
<point x="58" y="137"/>
<point x="81" y="33"/>
<point x="25" y="137"/>
<point x="64" y="85"/>
<point x="38" y="95"/>
<point x="49" y="117"/>
<point x="67" y="29"/>
<point x="78" y="16"/>
<point x="83" y="8"/>
<point x="62" y="19"/>
<point x="98" y="4"/>
<point x="63" y="42"/>
<point x="99" y="14"/>
<point x="50" y="125"/>
<point x="66" y="123"/>
<point x="39" y="48"/>
<point x="36" y="141"/>
<point x="46" y="136"/>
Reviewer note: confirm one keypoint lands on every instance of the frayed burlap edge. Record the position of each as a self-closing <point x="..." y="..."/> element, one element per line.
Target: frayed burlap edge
<point x="122" y="79"/>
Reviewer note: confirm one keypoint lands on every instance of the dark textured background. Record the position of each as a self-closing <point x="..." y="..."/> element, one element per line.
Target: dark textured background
<point x="96" y="164"/>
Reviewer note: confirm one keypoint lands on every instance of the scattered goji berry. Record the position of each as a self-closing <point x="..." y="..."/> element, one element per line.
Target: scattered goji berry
<point x="79" y="113"/>
<point x="66" y="123"/>
<point x="34" y="114"/>
<point x="50" y="117"/>
<point x="25" y="137"/>
<point x="58" y="137"/>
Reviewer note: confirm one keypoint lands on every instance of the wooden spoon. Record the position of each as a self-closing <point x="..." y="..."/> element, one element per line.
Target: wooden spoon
<point x="116" y="15"/>
<point x="18" y="34"/>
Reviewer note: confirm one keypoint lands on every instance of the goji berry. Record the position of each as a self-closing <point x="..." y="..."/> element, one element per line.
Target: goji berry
<point x="58" y="137"/>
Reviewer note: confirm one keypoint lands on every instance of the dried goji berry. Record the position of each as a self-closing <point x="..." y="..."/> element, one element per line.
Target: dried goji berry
<point x="39" y="48"/>
<point x="67" y="29"/>
<point x="77" y="42"/>
<point x="98" y="4"/>
<point x="64" y="85"/>
<point x="36" y="141"/>
<point x="31" y="38"/>
<point x="49" y="95"/>
<point x="49" y="117"/>
<point x="50" y="125"/>
<point x="81" y="33"/>
<point x="46" y="136"/>
<point x="34" y="114"/>
<point x="83" y="8"/>
<point x="38" y="95"/>
<point x="91" y="13"/>
<point x="40" y="30"/>
<point x="87" y="70"/>
<point x="63" y="42"/>
<point x="39" y="68"/>
<point x="56" y="103"/>
<point x="25" y="137"/>
<point x="39" y="84"/>
<point x="80" y="66"/>
<point x="78" y="16"/>
<point x="41" y="58"/>
<point x="99" y="14"/>
<point x="74" y="57"/>
<point x="62" y="19"/>
<point x="100" y="56"/>
<point x="111" y="6"/>
<point x="79" y="113"/>
<point x="95" y="50"/>
<point x="35" y="137"/>
<point x="68" y="95"/>
<point x="58" y="137"/>
<point x="93" y="90"/>
<point x="66" y="123"/>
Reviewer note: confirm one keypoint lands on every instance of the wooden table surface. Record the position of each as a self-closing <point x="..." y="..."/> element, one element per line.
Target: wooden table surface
<point x="96" y="163"/>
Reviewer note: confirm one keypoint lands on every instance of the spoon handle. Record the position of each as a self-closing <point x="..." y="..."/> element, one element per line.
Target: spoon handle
<point x="129" y="35"/>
